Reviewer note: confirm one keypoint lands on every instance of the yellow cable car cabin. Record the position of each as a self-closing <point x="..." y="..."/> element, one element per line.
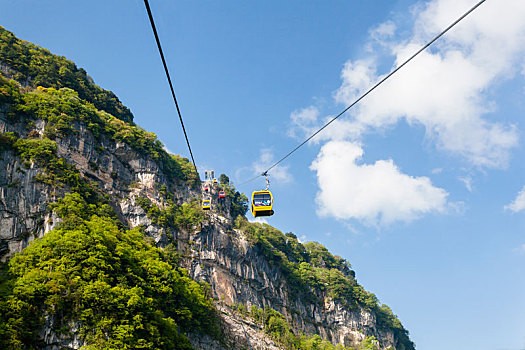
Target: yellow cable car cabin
<point x="262" y="202"/>
<point x="206" y="204"/>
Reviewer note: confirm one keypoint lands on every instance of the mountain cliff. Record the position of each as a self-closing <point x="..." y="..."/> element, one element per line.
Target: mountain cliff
<point x="104" y="243"/>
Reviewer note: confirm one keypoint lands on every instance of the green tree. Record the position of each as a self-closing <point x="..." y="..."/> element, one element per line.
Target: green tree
<point x="224" y="180"/>
<point x="239" y="204"/>
<point x="369" y="343"/>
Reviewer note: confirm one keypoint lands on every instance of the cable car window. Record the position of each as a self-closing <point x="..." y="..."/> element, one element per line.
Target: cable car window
<point x="262" y="200"/>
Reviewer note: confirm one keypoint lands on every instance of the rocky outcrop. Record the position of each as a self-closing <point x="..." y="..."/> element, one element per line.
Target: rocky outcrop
<point x="241" y="332"/>
<point x="238" y="273"/>
<point x="23" y="201"/>
<point x="56" y="341"/>
<point x="114" y="167"/>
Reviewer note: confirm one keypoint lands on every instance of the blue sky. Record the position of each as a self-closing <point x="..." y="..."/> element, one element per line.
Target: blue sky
<point x="418" y="187"/>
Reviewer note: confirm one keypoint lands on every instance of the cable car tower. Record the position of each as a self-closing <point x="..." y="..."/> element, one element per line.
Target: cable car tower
<point x="208" y="175"/>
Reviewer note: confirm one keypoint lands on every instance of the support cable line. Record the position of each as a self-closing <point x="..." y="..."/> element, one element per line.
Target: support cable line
<point x="253" y="178"/>
<point x="265" y="173"/>
<point x="152" y="22"/>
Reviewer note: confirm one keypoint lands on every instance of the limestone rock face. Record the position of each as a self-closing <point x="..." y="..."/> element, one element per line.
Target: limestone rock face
<point x="242" y="334"/>
<point x="23" y="201"/>
<point x="213" y="252"/>
<point x="121" y="172"/>
<point x="238" y="273"/>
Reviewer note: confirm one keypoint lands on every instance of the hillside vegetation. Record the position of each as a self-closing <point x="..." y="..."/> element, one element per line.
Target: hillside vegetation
<point x="36" y="66"/>
<point x="63" y="110"/>
<point x="122" y="291"/>
<point x="311" y="270"/>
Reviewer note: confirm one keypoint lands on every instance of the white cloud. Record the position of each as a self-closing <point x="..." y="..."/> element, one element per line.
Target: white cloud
<point x="520" y="249"/>
<point x="279" y="173"/>
<point x="266" y="159"/>
<point x="304" y="122"/>
<point x="519" y="203"/>
<point x="372" y="193"/>
<point x="467" y="181"/>
<point x="445" y="89"/>
<point x="383" y="31"/>
<point x="449" y="90"/>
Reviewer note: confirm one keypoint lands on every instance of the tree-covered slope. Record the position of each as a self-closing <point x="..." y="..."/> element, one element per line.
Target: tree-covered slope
<point x="113" y="285"/>
<point x="36" y="66"/>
